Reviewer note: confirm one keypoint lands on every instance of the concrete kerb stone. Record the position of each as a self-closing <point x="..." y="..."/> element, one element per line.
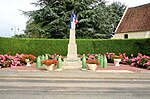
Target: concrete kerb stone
<point x="113" y="71"/>
<point x="70" y="74"/>
<point x="76" y="78"/>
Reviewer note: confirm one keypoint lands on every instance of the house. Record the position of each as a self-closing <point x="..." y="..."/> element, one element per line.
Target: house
<point x="135" y="23"/>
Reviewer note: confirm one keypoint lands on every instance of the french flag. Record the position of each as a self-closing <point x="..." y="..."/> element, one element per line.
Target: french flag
<point x="74" y="18"/>
<point x="74" y="21"/>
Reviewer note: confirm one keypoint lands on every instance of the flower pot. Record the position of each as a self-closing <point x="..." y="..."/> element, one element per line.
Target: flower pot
<point x="28" y="62"/>
<point x="50" y="68"/>
<point x="117" y="61"/>
<point x="92" y="67"/>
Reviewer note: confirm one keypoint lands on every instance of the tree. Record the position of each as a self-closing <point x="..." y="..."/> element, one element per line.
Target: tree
<point x="53" y="18"/>
<point x="108" y="18"/>
<point x="20" y="36"/>
<point x="117" y="9"/>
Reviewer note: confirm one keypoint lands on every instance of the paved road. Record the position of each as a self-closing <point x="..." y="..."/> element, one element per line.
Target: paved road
<point x="48" y="88"/>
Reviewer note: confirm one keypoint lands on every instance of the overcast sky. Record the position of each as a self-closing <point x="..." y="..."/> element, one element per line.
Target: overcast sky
<point x="11" y="19"/>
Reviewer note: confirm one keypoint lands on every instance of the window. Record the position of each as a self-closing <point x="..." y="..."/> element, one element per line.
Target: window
<point x="126" y="36"/>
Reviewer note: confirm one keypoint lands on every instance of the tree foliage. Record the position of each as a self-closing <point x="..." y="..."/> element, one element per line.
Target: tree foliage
<point x="52" y="19"/>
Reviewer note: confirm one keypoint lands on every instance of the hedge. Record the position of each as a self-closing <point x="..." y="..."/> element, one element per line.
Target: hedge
<point x="59" y="46"/>
<point x="129" y="46"/>
<point x="33" y="46"/>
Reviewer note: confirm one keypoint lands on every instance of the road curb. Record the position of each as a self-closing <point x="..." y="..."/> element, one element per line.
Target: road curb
<point x="74" y="77"/>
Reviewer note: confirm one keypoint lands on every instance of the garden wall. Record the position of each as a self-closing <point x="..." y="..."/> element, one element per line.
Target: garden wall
<point x="59" y="46"/>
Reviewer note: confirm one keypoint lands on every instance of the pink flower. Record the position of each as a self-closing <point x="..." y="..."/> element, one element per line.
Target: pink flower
<point x="5" y="55"/>
<point x="108" y="57"/>
<point x="139" y="54"/>
<point x="148" y="63"/>
<point x="146" y="57"/>
<point x="91" y="56"/>
<point x="133" y="60"/>
<point x="132" y="64"/>
<point x="132" y="55"/>
<point x="124" y="54"/>
<point x="2" y="61"/>
<point x="138" y="62"/>
<point x="96" y="55"/>
<point x="107" y="53"/>
<point x="126" y="58"/>
<point x="138" y="57"/>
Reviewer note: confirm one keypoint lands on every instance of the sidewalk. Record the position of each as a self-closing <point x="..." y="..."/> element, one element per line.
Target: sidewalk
<point x="112" y="72"/>
<point x="110" y="68"/>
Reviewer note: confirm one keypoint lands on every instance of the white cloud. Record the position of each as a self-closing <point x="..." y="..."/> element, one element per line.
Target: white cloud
<point x="11" y="17"/>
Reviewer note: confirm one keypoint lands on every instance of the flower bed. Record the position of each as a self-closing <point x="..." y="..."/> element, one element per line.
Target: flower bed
<point x="137" y="61"/>
<point x="13" y="61"/>
<point x="140" y="60"/>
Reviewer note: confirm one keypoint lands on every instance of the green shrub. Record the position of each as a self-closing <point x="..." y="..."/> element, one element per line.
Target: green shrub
<point x="33" y="46"/>
<point x="114" y="45"/>
<point x="84" y="46"/>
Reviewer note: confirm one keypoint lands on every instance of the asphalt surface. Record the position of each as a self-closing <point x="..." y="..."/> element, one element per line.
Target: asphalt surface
<point x="48" y="88"/>
<point x="74" y="84"/>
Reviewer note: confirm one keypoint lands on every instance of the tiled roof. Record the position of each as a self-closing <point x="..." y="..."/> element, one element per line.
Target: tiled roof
<point x="135" y="19"/>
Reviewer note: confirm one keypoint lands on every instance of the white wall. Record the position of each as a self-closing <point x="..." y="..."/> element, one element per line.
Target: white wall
<point x="143" y="34"/>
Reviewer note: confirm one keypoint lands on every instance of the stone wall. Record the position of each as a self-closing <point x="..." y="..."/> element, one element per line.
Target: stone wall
<point x="143" y="34"/>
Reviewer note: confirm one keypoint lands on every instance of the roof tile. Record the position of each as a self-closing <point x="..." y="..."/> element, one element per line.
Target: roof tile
<point x="136" y="19"/>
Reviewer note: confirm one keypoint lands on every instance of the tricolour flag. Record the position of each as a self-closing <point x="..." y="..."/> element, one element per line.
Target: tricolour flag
<point x="74" y="21"/>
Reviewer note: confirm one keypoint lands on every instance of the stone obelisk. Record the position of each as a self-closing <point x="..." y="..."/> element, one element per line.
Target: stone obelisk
<point x="72" y="46"/>
<point x="72" y="61"/>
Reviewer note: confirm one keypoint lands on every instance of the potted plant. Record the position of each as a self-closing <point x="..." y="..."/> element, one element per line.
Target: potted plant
<point x="28" y="59"/>
<point x="92" y="64"/>
<point x="49" y="64"/>
<point x="117" y="60"/>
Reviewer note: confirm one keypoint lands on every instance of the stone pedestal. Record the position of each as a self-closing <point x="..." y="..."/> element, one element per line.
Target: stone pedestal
<point x="72" y="61"/>
<point x="68" y="64"/>
<point x="72" y="46"/>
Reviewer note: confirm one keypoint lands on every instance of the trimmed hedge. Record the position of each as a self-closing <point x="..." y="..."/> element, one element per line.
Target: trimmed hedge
<point x="59" y="46"/>
<point x="129" y="46"/>
<point x="33" y="46"/>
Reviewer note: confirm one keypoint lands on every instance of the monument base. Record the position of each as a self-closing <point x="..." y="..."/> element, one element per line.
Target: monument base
<point x="72" y="64"/>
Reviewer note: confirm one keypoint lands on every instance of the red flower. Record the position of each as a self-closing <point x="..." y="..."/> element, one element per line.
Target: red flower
<point x="49" y="62"/>
<point x="92" y="61"/>
<point x="27" y="56"/>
